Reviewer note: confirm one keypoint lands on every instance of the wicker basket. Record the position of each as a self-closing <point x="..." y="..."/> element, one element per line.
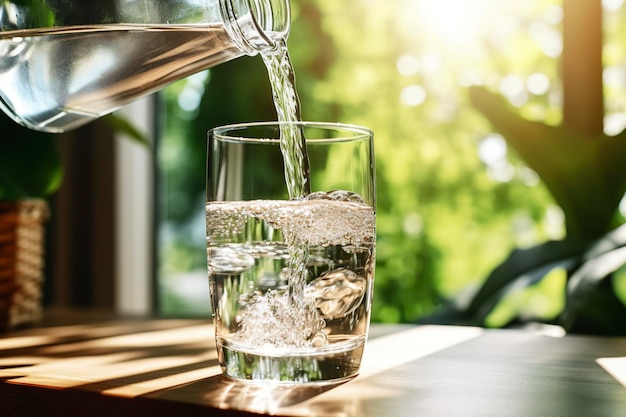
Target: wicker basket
<point x="21" y="261"/>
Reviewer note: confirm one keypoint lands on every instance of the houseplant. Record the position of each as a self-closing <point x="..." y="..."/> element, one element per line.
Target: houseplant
<point x="31" y="170"/>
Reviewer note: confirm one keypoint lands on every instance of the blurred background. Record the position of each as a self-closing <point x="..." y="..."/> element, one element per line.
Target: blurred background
<point x="453" y="198"/>
<point x="500" y="152"/>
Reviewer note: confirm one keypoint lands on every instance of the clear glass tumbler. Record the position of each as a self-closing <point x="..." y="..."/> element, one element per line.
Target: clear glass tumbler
<point x="291" y="280"/>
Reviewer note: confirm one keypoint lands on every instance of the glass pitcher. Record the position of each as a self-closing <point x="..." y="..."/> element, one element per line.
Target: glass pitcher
<point x="64" y="63"/>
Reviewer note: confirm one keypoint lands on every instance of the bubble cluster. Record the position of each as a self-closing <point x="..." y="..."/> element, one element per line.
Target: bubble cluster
<point x="335" y="218"/>
<point x="277" y="320"/>
<point x="294" y="315"/>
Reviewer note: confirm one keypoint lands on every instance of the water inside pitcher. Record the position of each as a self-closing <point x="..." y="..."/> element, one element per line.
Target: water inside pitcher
<point x="64" y="63"/>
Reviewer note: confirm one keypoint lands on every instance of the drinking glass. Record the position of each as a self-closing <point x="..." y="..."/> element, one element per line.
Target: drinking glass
<point x="291" y="280"/>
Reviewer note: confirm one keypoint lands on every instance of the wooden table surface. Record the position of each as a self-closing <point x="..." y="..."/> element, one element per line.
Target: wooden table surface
<point x="164" y="367"/>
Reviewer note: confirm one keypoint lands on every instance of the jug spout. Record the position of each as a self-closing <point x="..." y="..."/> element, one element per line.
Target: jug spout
<point x="64" y="63"/>
<point x="256" y="25"/>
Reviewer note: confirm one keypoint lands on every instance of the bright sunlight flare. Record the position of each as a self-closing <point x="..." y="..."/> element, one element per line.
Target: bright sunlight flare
<point x="456" y="22"/>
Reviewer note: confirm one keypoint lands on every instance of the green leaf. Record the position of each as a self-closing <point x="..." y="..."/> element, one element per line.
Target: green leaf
<point x="605" y="257"/>
<point x="123" y="125"/>
<point x="589" y="265"/>
<point x="33" y="14"/>
<point x="30" y="164"/>
<point x="523" y="268"/>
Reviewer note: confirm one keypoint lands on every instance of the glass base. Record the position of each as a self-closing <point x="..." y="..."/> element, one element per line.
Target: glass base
<point x="326" y="367"/>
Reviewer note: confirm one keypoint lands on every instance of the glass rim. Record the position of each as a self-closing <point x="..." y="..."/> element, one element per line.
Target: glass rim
<point x="357" y="131"/>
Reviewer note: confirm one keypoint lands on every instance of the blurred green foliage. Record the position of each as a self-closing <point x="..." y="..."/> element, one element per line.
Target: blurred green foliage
<point x="453" y="199"/>
<point x="580" y="160"/>
<point x="30" y="164"/>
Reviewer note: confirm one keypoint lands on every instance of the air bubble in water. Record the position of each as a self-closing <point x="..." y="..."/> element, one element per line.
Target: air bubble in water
<point x="337" y="195"/>
<point x="225" y="260"/>
<point x="337" y="293"/>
